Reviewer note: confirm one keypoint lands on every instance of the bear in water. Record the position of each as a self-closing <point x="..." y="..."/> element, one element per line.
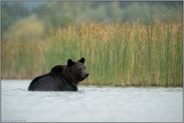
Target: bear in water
<point x="61" y="77"/>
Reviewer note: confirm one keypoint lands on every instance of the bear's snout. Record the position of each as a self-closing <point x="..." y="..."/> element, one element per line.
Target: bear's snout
<point x="87" y="75"/>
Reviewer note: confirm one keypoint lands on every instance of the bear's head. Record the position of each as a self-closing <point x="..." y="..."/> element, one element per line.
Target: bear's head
<point x="77" y="69"/>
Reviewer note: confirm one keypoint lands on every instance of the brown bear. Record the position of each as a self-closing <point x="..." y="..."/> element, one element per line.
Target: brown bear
<point x="61" y="77"/>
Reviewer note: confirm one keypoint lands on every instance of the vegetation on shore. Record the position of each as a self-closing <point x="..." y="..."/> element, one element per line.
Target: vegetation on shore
<point x="116" y="54"/>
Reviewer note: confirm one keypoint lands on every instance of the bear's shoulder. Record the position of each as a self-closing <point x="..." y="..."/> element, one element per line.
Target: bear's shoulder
<point x="58" y="69"/>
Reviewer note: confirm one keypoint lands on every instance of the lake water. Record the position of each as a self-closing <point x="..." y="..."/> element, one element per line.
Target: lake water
<point x="90" y="103"/>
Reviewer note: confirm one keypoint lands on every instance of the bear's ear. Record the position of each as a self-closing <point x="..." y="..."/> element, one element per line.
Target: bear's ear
<point x="70" y="63"/>
<point x="82" y="60"/>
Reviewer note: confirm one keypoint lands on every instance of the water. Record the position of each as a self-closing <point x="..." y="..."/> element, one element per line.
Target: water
<point x="90" y="103"/>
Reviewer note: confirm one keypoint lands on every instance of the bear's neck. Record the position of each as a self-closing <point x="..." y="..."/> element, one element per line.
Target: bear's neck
<point x="68" y="75"/>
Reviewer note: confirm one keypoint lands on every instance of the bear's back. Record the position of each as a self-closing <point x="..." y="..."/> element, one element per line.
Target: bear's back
<point x="51" y="82"/>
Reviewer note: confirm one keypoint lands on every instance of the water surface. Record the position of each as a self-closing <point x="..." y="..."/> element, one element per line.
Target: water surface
<point x="90" y="104"/>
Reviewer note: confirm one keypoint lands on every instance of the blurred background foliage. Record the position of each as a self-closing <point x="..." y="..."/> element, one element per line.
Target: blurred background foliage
<point x="124" y="43"/>
<point x="54" y="15"/>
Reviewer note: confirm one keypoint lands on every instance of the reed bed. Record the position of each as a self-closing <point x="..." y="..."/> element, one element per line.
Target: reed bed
<point x="119" y="54"/>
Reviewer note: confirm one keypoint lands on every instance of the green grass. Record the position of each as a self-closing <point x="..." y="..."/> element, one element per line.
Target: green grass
<point x="118" y="54"/>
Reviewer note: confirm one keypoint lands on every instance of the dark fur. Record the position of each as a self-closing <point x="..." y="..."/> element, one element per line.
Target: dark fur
<point x="61" y="77"/>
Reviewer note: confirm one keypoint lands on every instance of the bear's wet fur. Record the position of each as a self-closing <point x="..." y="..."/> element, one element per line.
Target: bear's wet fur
<point x="61" y="77"/>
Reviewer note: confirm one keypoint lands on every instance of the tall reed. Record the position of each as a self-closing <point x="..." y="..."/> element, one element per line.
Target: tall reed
<point x="117" y="54"/>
